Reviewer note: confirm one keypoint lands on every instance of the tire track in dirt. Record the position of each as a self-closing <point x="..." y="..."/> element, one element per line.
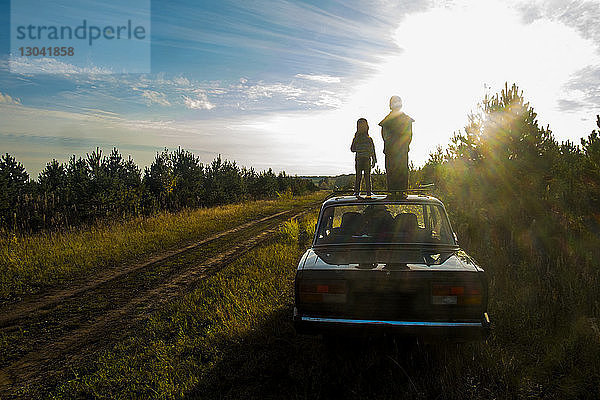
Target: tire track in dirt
<point x="75" y="346"/>
<point x="12" y="313"/>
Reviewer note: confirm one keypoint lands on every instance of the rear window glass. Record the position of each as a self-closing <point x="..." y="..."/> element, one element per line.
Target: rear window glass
<point x="384" y="223"/>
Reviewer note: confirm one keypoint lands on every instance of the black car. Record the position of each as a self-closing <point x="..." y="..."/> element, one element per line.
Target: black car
<point x="389" y="264"/>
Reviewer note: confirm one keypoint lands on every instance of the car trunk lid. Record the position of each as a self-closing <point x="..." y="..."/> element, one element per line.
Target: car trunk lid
<point x="392" y="284"/>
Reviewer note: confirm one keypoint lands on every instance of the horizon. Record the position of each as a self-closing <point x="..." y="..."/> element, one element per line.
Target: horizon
<point x="278" y="84"/>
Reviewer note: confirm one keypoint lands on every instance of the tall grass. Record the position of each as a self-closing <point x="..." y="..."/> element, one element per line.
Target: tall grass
<point x="179" y="346"/>
<point x="233" y="338"/>
<point x="31" y="263"/>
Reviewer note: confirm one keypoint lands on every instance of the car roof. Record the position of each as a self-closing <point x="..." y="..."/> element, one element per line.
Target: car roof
<point x="381" y="198"/>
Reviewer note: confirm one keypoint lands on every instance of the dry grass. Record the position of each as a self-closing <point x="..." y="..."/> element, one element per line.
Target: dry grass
<point x="233" y="338"/>
<point x="180" y="345"/>
<point x="32" y="263"/>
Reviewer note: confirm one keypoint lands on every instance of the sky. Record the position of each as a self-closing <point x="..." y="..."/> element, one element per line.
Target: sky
<point x="280" y="84"/>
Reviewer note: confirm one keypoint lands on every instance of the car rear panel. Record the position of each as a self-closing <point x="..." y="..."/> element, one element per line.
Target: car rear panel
<point x="395" y="286"/>
<point x="391" y="295"/>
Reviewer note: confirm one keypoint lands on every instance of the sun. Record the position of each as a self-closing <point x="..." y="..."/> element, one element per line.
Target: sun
<point x="447" y="59"/>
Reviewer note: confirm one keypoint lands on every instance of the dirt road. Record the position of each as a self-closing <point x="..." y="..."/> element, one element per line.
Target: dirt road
<point x="54" y="331"/>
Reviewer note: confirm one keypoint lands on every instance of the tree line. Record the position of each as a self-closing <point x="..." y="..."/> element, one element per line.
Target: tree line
<point x="517" y="174"/>
<point x="528" y="206"/>
<point x="83" y="190"/>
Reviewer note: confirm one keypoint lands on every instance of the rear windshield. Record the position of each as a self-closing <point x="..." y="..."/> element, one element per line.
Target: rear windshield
<point x="384" y="223"/>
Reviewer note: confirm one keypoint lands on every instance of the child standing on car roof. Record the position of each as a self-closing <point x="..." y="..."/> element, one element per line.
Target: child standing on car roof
<point x="363" y="146"/>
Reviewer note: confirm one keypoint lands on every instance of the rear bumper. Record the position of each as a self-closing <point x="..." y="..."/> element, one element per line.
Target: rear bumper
<point x="438" y="330"/>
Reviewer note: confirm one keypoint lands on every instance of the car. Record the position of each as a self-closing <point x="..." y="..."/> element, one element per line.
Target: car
<point x="389" y="264"/>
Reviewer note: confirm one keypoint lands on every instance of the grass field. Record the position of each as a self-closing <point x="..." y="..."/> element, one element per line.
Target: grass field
<point x="29" y="264"/>
<point x="180" y="347"/>
<point x="233" y="338"/>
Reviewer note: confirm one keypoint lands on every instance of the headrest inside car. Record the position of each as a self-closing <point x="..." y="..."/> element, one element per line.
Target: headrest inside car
<point x="351" y="222"/>
<point x="406" y="222"/>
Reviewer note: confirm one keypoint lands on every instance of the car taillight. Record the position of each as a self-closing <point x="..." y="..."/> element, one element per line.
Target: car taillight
<point x="459" y="294"/>
<point x="322" y="292"/>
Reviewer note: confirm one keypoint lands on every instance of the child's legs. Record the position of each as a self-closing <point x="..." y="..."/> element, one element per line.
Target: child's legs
<point x="358" y="174"/>
<point x="362" y="164"/>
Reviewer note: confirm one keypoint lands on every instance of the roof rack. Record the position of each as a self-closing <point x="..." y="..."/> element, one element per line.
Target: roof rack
<point x="418" y="190"/>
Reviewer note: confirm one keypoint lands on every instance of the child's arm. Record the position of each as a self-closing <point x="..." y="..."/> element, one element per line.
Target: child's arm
<point x="373" y="155"/>
<point x="353" y="146"/>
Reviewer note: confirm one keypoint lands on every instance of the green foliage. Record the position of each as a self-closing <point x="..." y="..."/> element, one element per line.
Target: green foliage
<point x="527" y="208"/>
<point x="13" y="186"/>
<point x="505" y="172"/>
<point x="290" y="231"/>
<point x="98" y="187"/>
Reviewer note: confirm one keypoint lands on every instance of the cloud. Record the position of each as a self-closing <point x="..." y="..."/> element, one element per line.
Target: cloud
<point x="68" y="87"/>
<point x="24" y="65"/>
<point x="269" y="90"/>
<point x="6" y="99"/>
<point x="62" y="136"/>
<point x="343" y="38"/>
<point x="570" y="105"/>
<point x="448" y="54"/>
<point x="583" y="90"/>
<point x="580" y="93"/>
<point x="329" y="100"/>
<point x="319" y="78"/>
<point x="580" y="15"/>
<point x="153" y="97"/>
<point x="131" y="93"/>
<point x="201" y="102"/>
